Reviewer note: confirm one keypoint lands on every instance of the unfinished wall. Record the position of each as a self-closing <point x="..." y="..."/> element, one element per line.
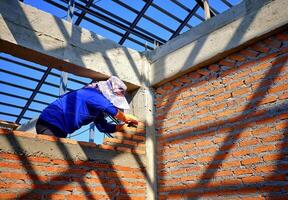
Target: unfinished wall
<point x="222" y="130"/>
<point x="43" y="167"/>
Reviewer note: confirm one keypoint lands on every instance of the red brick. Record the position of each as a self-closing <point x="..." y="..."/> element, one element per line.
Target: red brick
<point x="260" y="48"/>
<point x="236" y="84"/>
<point x="273" y="138"/>
<point x="284" y="96"/>
<point x="258" y="197"/>
<point x="176" y="83"/>
<point x="227" y="63"/>
<point x="262" y="130"/>
<point x="241" y="91"/>
<point x="252" y="179"/>
<point x="184" y="79"/>
<point x="243" y="171"/>
<point x="271" y="157"/>
<point x="263" y="148"/>
<point x="231" y="164"/>
<point x="266" y="169"/>
<point x="237" y="57"/>
<point x="194" y="75"/>
<point x="249" y="53"/>
<point x="282" y="36"/>
<point x="203" y="143"/>
<point x="231" y="182"/>
<point x="261" y="66"/>
<point x="272" y="42"/>
<point x="248" y="142"/>
<point x="8" y="195"/>
<point x="203" y="72"/>
<point x="106" y="147"/>
<point x="167" y="87"/>
<point x="279" y="88"/>
<point x="214" y="68"/>
<point x="250" y="161"/>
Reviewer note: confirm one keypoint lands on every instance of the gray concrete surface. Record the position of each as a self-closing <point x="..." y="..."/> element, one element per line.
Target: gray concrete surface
<point x="58" y="150"/>
<point x="216" y="38"/>
<point x="25" y="34"/>
<point x="34" y="35"/>
<point x="142" y="106"/>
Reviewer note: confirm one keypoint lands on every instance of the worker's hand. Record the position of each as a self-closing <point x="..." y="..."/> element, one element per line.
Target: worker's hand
<point x="127" y="118"/>
<point x="120" y="127"/>
<point x="131" y="119"/>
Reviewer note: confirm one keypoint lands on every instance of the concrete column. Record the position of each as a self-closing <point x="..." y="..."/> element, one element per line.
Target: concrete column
<point x="142" y="106"/>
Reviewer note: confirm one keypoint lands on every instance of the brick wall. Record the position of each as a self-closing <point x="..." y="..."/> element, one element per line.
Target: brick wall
<point x="222" y="130"/>
<point x="28" y="174"/>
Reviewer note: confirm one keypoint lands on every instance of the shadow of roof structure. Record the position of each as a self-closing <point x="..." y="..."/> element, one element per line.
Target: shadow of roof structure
<point x="133" y="29"/>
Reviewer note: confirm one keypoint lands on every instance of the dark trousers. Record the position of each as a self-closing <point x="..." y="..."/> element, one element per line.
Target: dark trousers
<point x="43" y="127"/>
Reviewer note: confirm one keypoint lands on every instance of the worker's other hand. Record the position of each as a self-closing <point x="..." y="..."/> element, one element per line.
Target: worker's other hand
<point x="120" y="127"/>
<point x="131" y="119"/>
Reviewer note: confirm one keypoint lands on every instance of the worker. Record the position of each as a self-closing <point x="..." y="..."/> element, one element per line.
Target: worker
<point x="83" y="106"/>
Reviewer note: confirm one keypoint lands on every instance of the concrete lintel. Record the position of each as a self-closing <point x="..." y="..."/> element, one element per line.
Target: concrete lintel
<point x="40" y="37"/>
<point x="10" y="143"/>
<point x="214" y="39"/>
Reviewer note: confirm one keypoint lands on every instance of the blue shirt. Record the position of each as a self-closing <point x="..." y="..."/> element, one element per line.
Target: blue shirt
<point x="78" y="108"/>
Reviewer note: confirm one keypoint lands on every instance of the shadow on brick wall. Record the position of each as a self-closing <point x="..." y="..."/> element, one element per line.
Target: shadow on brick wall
<point x="38" y="184"/>
<point x="250" y="115"/>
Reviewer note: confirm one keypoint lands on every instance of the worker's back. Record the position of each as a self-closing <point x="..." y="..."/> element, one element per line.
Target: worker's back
<point x="77" y="108"/>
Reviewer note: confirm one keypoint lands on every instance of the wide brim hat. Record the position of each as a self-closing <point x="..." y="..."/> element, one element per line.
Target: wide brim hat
<point x="114" y="90"/>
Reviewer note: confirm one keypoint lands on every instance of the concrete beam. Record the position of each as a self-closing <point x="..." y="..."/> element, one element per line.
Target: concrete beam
<point x="214" y="39"/>
<point x="40" y="37"/>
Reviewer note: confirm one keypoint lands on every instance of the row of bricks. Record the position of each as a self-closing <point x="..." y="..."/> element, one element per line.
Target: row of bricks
<point x="60" y="180"/>
<point x="69" y="172"/>
<point x="220" y="135"/>
<point x="75" y="188"/>
<point x="249" y="179"/>
<point x="221" y="93"/>
<point x="131" y="143"/>
<point x="240" y="112"/>
<point x="63" y="181"/>
<point x="12" y="196"/>
<point x="270" y="157"/>
<point x="6" y="157"/>
<point x="257" y="136"/>
<point x="207" y="88"/>
<point x="217" y="196"/>
<point x="245" y="103"/>
<point x="200" y="156"/>
<point x="69" y="141"/>
<point x="204" y="90"/>
<point x="224" y="99"/>
<point x="193" y="173"/>
<point x="241" y="122"/>
<point x="217" y="134"/>
<point x="204" y="72"/>
<point x="214" y="162"/>
<point x="230" y="146"/>
<point x="220" y="176"/>
<point x="219" y="190"/>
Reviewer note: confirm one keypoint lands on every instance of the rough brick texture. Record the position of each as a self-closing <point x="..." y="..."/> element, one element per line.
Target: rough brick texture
<point x="222" y="130"/>
<point x="24" y="176"/>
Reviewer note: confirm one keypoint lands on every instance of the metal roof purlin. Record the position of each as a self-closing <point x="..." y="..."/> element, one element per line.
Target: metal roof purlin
<point x="139" y="16"/>
<point x="188" y="17"/>
<point x="45" y="75"/>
